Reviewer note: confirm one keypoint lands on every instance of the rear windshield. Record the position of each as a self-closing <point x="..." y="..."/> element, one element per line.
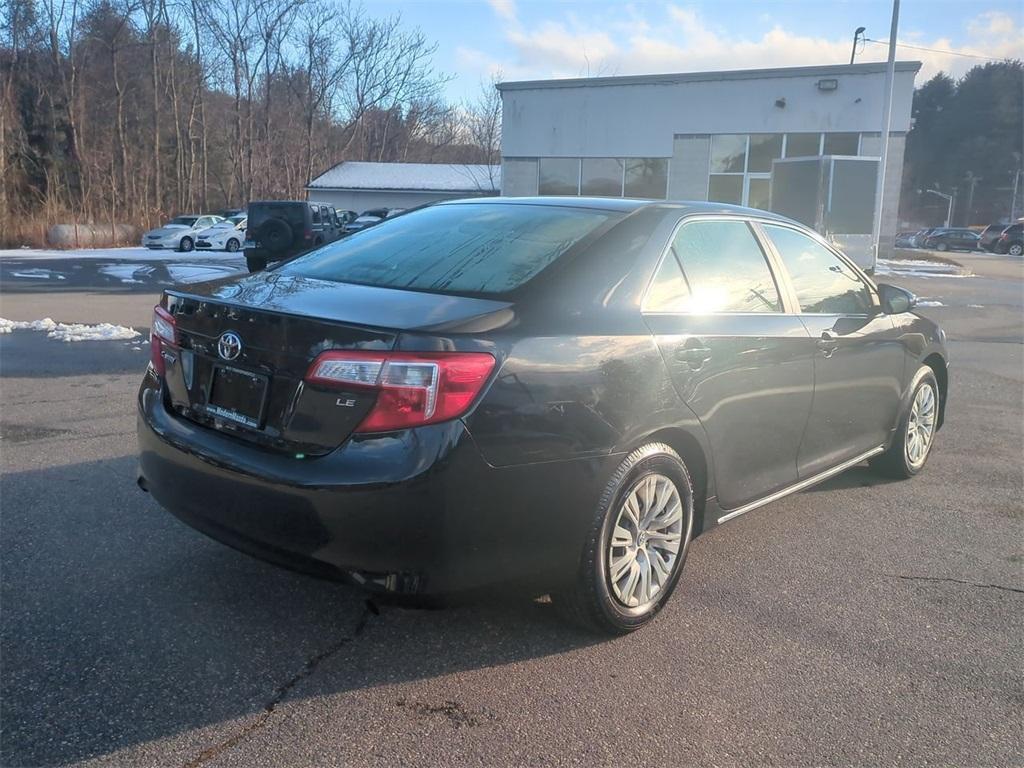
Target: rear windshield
<point x="487" y="249"/>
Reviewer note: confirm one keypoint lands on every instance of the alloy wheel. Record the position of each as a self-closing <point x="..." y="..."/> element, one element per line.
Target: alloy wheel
<point x="920" y="426"/>
<point x="645" y="541"/>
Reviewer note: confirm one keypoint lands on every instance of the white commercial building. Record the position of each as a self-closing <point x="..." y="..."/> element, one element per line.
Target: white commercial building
<point x="701" y="135"/>
<point x="357" y="186"/>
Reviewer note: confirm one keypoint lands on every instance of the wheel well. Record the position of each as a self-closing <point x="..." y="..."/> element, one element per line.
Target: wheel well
<point x="690" y="452"/>
<point x="938" y="366"/>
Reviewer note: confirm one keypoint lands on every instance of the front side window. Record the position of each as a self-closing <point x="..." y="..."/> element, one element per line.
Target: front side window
<point x="559" y="176"/>
<point x="823" y="283"/>
<point x="714" y="266"/>
<point x="486" y="249"/>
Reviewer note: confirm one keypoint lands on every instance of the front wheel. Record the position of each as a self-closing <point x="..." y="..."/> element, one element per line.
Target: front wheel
<point x="232" y="245"/>
<point x="186" y="244"/>
<point x="636" y="544"/>
<point x="1016" y="249"/>
<point x="916" y="434"/>
<point x="942" y="247"/>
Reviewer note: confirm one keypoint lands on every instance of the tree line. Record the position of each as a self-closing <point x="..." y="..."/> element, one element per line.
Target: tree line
<point x="966" y="141"/>
<point x="128" y="111"/>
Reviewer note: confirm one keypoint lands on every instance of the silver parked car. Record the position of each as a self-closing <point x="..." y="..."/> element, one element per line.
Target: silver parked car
<point x="180" y="233"/>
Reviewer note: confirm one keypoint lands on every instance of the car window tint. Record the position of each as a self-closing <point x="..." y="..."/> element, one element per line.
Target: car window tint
<point x="316" y="214"/>
<point x="823" y="283"/>
<point x="724" y="269"/>
<point x="473" y="248"/>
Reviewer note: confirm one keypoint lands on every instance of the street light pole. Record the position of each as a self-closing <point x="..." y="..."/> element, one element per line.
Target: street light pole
<point x="856" y="36"/>
<point x="890" y="71"/>
<point x="949" y="204"/>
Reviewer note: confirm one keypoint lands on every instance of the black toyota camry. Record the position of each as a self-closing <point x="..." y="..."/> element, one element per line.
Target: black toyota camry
<point x="553" y="393"/>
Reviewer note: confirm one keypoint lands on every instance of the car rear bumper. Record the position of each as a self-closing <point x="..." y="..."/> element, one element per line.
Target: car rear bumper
<point x="417" y="511"/>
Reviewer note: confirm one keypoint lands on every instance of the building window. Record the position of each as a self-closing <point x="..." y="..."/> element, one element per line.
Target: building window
<point x="559" y="176"/>
<point x="758" y="192"/>
<point x="601" y="177"/>
<point x="642" y="177"/>
<point x="764" y="147"/>
<point x="842" y="144"/>
<point x="647" y="178"/>
<point x="728" y="153"/>
<point x="726" y="188"/>
<point x="803" y="144"/>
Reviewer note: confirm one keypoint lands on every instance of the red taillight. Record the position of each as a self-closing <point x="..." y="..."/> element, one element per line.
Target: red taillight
<point x="161" y="331"/>
<point x="308" y="234"/>
<point x="414" y="388"/>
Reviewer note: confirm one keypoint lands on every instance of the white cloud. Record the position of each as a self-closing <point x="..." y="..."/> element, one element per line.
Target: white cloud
<point x="631" y="44"/>
<point x="505" y="9"/>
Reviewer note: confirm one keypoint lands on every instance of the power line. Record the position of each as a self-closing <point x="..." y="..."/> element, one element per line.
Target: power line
<point x="934" y="50"/>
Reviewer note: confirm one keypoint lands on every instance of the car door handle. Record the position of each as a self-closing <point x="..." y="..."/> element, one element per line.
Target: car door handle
<point x="828" y="343"/>
<point x="694" y="354"/>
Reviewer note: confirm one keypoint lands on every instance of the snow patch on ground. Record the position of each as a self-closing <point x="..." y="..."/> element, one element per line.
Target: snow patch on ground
<point x="975" y="306"/>
<point x="930" y="303"/>
<point x="70" y="331"/>
<point x="119" y="254"/>
<point x="919" y="268"/>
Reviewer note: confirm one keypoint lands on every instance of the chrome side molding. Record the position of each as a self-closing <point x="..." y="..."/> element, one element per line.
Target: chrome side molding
<point x="807" y="483"/>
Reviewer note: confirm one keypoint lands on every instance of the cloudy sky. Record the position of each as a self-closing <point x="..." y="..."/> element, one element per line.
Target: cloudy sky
<point x="530" y="39"/>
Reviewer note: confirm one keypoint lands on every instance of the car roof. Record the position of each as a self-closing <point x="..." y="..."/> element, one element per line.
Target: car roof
<point x="622" y="204"/>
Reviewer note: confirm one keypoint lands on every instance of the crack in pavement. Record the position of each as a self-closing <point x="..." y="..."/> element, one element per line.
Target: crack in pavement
<point x="308" y="668"/>
<point x="955" y="581"/>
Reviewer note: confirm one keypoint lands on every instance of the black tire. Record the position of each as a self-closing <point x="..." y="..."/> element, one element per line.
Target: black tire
<point x="186" y="244"/>
<point x="942" y="247"/>
<point x="255" y="263"/>
<point x="590" y="600"/>
<point x="1016" y="249"/>
<point x="275" y="235"/>
<point x="895" y="462"/>
<point x="232" y="245"/>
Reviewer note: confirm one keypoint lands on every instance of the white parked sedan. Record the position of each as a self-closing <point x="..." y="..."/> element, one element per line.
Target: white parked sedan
<point x="227" y="235"/>
<point x="179" y="233"/>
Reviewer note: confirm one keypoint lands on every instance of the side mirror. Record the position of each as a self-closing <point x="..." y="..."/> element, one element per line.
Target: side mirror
<point x="895" y="300"/>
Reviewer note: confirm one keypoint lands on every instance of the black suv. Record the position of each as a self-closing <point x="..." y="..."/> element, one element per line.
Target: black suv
<point x="282" y="229"/>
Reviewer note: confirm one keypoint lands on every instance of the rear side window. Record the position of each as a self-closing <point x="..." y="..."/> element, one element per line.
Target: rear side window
<point x="714" y="266"/>
<point x="823" y="283"/>
<point x="472" y="248"/>
<point x="316" y="214"/>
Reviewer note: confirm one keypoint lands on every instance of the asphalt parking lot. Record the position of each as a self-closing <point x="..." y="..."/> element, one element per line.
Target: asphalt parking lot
<point x="862" y="622"/>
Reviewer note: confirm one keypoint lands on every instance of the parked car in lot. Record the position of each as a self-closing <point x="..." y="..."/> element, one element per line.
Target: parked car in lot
<point x="953" y="239"/>
<point x="917" y="241"/>
<point x="227" y="235"/>
<point x="990" y="235"/>
<point x="1011" y="240"/>
<point x="364" y="220"/>
<point x="905" y="239"/>
<point x="278" y="230"/>
<point x="559" y="393"/>
<point x="179" y="233"/>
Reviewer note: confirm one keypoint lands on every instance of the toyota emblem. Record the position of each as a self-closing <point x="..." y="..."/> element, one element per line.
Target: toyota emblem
<point x="229" y="346"/>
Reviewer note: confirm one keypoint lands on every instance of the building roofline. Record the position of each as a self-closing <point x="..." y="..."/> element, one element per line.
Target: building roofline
<point x="421" y="191"/>
<point x="870" y="68"/>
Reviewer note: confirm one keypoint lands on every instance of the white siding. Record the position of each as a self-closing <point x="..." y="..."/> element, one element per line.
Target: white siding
<point x="359" y="201"/>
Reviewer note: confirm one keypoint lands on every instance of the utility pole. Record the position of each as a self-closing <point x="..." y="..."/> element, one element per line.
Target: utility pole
<point x="890" y="71"/>
<point x="1013" y="200"/>
<point x="973" y="181"/>
<point x="856" y="36"/>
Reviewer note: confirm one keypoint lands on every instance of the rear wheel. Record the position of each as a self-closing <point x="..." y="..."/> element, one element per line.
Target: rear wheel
<point x="941" y="247"/>
<point x="186" y="244"/>
<point x="636" y="545"/>
<point x="916" y="434"/>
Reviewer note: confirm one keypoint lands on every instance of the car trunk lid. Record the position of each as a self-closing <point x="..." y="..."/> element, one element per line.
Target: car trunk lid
<point x="245" y="346"/>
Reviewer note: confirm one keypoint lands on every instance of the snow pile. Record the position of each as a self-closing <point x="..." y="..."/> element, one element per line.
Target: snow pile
<point x="70" y="331"/>
<point x="46" y="324"/>
<point x="919" y="268"/>
<point x="930" y="303"/>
